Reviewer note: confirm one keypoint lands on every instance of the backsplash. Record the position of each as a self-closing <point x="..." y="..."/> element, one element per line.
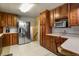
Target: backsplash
<point x="72" y="30"/>
<point x="12" y="30"/>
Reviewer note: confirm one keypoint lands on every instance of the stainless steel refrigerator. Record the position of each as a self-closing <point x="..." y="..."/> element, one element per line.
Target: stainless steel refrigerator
<point x="24" y="32"/>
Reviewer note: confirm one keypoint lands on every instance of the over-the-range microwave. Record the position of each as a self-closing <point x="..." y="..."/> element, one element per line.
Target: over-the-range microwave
<point x="61" y="24"/>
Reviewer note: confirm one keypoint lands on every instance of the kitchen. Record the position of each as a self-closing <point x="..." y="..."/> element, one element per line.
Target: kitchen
<point x="58" y="28"/>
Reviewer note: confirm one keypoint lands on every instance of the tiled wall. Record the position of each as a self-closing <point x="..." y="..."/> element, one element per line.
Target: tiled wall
<point x="74" y="29"/>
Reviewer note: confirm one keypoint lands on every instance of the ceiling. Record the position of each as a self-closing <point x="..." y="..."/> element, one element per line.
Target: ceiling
<point x="35" y="11"/>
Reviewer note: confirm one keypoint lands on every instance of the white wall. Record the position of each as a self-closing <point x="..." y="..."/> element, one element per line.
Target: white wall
<point x="28" y="19"/>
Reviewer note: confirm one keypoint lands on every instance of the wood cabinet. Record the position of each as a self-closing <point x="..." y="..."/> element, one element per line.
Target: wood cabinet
<point x="73" y="14"/>
<point x="64" y="11"/>
<point x="57" y="13"/>
<point x="1" y="38"/>
<point x="10" y="39"/>
<point x="15" y="39"/>
<point x="68" y="11"/>
<point x="9" y="20"/>
<point x="6" y="40"/>
<point x="47" y="19"/>
<point x="1" y="28"/>
<point x="42" y="34"/>
<point x="44" y="27"/>
<point x="52" y="18"/>
<point x="14" y="21"/>
<point x="53" y="42"/>
<point x="0" y="19"/>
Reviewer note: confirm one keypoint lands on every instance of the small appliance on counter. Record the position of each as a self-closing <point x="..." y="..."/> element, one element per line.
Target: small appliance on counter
<point x="7" y="29"/>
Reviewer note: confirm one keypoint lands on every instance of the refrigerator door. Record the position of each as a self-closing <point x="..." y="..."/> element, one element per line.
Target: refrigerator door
<point x="24" y="33"/>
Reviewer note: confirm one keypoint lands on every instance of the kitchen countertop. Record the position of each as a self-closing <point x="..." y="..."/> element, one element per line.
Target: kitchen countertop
<point x="71" y="44"/>
<point x="10" y="33"/>
<point x="6" y="33"/>
<point x="1" y="34"/>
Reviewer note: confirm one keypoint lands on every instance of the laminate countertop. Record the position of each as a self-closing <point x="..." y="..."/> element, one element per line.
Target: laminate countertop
<point x="71" y="44"/>
<point x="1" y="34"/>
<point x="5" y="33"/>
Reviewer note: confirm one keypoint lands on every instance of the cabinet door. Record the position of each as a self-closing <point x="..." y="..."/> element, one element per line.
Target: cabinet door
<point x="11" y="39"/>
<point x="9" y="20"/>
<point x="43" y="18"/>
<point x="15" y="21"/>
<point x="58" y="41"/>
<point x="4" y="20"/>
<point x="73" y="14"/>
<point x="53" y="44"/>
<point x="0" y="20"/>
<point x="52" y="18"/>
<point x="1" y="29"/>
<point x="6" y="40"/>
<point x="63" y="40"/>
<point x="48" y="43"/>
<point x="78" y="15"/>
<point x="15" y="38"/>
<point x="64" y="11"/>
<point x="42" y="34"/>
<point x="57" y="13"/>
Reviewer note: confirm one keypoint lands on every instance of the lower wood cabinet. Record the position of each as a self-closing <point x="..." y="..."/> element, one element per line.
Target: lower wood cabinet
<point x="52" y="43"/>
<point x="1" y="38"/>
<point x="14" y="39"/>
<point x="10" y="39"/>
<point x="1" y="29"/>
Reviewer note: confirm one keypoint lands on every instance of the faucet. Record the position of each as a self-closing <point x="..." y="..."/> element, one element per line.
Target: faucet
<point x="64" y="32"/>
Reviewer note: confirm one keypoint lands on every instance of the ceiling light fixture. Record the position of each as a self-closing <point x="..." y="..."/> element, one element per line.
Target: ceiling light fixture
<point x="25" y="7"/>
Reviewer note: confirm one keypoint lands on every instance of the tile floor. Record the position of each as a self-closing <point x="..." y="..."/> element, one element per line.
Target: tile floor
<point x="30" y="49"/>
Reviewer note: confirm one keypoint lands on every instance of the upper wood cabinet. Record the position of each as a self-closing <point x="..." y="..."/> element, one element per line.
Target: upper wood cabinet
<point x="64" y="11"/>
<point x="57" y="13"/>
<point x="73" y="14"/>
<point x="1" y="28"/>
<point x="68" y="11"/>
<point x="14" y="21"/>
<point x="61" y="12"/>
<point x="0" y="19"/>
<point x="8" y="20"/>
<point x="52" y="18"/>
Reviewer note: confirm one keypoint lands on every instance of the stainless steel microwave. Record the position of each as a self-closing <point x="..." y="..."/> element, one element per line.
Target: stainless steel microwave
<point x="61" y="24"/>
